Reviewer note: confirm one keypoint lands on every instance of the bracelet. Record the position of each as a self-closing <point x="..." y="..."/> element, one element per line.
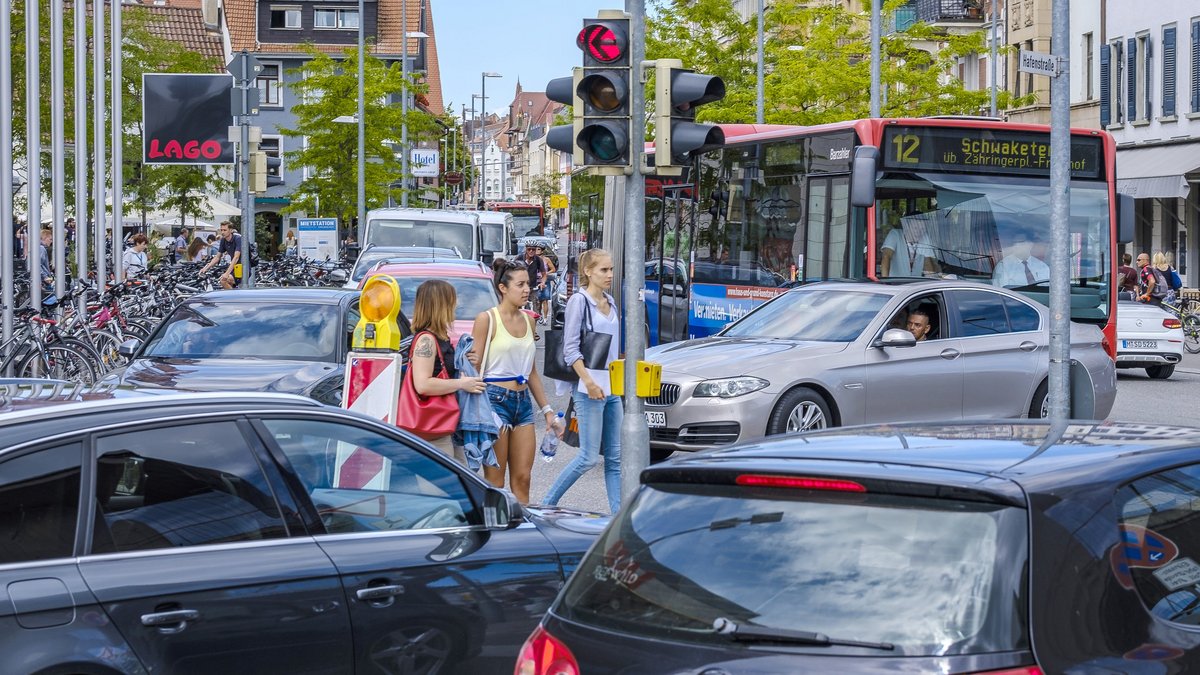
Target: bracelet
<point x="546" y="409"/>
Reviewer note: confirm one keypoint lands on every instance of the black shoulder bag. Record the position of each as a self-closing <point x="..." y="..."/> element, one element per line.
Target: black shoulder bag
<point x="594" y="347"/>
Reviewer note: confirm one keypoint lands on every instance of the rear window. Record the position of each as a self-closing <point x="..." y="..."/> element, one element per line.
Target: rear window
<point x="930" y="576"/>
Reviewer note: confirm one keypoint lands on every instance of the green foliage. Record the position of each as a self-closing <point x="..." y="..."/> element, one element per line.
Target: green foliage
<point x="817" y="62"/>
<point x="545" y="185"/>
<point x="328" y="90"/>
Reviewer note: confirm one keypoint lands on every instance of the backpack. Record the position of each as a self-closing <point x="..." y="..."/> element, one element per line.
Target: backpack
<point x="1160" y="284"/>
<point x="1175" y="281"/>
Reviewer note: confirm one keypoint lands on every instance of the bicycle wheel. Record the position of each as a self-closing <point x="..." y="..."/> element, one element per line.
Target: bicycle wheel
<point x="106" y="343"/>
<point x="1191" y="333"/>
<point x="58" y="362"/>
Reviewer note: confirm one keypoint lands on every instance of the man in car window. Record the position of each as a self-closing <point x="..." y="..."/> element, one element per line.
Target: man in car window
<point x="1018" y="267"/>
<point x="918" y="324"/>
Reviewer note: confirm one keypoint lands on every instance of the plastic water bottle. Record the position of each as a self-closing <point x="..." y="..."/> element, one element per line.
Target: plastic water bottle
<point x="549" y="445"/>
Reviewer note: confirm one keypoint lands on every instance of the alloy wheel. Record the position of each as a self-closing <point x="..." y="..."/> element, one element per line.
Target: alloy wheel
<point x="805" y="417"/>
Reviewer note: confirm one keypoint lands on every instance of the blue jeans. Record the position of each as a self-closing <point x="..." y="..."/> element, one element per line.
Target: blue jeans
<point x="599" y="426"/>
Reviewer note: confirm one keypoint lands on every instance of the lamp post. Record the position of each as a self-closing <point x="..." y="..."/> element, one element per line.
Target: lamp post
<point x="758" y="110"/>
<point x="404" y="152"/>
<point x="483" y="115"/>
<point x="362" y="132"/>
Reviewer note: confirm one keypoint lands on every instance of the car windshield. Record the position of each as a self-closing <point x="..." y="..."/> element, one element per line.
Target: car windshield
<point x="475" y="294"/>
<point x="931" y="576"/>
<point x="244" y="330"/>
<point x="412" y="232"/>
<point x="820" y="315"/>
<point x="493" y="237"/>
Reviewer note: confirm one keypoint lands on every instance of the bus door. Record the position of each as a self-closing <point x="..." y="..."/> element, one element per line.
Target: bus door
<point x="827" y="231"/>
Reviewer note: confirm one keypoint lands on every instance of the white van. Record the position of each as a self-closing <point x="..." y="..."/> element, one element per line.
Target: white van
<point x="456" y="230"/>
<point x="499" y="235"/>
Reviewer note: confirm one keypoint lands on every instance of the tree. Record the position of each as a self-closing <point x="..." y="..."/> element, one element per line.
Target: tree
<point x="817" y="62"/>
<point x="545" y="185"/>
<point x="329" y="90"/>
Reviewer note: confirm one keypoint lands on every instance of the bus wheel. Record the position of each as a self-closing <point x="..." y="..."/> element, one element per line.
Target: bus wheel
<point x="801" y="409"/>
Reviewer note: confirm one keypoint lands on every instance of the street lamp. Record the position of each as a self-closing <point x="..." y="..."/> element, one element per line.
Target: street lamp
<point x="362" y="133"/>
<point x="483" y="108"/>
<point x="408" y="34"/>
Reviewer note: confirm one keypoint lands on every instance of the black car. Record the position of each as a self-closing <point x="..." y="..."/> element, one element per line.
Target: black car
<point x="258" y="533"/>
<point x="286" y="340"/>
<point x="990" y="548"/>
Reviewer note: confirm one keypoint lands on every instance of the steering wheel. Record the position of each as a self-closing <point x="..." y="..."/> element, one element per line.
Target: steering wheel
<point x="443" y="516"/>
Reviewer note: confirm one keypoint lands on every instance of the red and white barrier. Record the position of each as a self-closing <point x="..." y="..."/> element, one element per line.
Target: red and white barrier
<point x="372" y="387"/>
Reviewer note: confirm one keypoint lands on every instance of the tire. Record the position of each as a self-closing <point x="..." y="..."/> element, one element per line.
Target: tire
<point x="1191" y="333"/>
<point x="1161" y="372"/>
<point x="660" y="454"/>
<point x="106" y="344"/>
<point x="1039" y="407"/>
<point x="800" y="409"/>
<point x="61" y="363"/>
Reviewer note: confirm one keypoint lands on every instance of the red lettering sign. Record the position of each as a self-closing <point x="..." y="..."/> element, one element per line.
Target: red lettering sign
<point x="174" y="149"/>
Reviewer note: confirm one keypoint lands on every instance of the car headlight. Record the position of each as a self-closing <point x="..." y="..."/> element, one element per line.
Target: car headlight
<point x="729" y="387"/>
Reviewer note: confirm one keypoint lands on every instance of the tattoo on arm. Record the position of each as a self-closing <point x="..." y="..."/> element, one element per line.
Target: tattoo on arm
<point x="424" y="348"/>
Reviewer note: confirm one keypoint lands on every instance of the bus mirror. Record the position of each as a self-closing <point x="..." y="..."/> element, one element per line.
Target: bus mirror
<point x="862" y="176"/>
<point x="1125" y="218"/>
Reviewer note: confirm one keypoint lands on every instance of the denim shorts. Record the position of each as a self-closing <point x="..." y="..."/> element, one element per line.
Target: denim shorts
<point x="514" y="408"/>
<point x="544" y="294"/>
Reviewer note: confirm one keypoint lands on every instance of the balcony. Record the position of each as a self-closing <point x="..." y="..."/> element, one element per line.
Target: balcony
<point x="935" y="12"/>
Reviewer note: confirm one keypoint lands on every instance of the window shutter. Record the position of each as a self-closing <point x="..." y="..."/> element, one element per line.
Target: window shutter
<point x="1148" y="61"/>
<point x="1168" y="52"/>
<point x="1105" y="87"/>
<point x="1196" y="66"/>
<point x="1131" y="78"/>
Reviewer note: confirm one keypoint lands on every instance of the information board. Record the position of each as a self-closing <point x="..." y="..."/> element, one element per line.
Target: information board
<point x="318" y="238"/>
<point x="965" y="150"/>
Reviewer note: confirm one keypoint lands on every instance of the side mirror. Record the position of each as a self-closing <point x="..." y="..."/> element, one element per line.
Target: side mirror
<point x="862" y="176"/>
<point x="1125" y="218"/>
<point x="501" y="510"/>
<point x="896" y="337"/>
<point x="128" y="348"/>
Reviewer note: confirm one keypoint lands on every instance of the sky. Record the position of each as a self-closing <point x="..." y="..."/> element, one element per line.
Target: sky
<point x="533" y="40"/>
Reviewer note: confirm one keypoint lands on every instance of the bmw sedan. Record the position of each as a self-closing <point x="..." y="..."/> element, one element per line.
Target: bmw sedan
<point x="258" y="533"/>
<point x="834" y="354"/>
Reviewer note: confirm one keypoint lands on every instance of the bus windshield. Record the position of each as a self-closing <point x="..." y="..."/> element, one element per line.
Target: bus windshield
<point x="407" y="232"/>
<point x="995" y="230"/>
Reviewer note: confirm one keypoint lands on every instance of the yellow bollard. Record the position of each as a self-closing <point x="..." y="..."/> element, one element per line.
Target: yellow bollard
<point x="378" y="307"/>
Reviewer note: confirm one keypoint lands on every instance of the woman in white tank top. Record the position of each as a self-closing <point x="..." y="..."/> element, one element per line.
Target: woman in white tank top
<point x="504" y="342"/>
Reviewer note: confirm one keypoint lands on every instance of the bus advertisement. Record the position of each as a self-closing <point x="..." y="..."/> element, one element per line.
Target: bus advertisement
<point x="952" y="198"/>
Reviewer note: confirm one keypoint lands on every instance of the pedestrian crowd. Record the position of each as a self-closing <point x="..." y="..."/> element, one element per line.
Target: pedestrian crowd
<point x="1154" y="281"/>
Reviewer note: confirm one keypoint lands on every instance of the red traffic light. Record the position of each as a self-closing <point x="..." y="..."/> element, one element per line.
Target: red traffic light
<point x="602" y="43"/>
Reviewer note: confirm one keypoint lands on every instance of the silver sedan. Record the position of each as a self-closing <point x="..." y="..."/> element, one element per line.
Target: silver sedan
<point x="835" y="354"/>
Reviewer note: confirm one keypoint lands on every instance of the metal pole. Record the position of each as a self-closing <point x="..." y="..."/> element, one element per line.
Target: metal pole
<point x="758" y="111"/>
<point x="635" y="435"/>
<point x="1060" y="214"/>
<point x="58" y="166"/>
<point x="248" y="205"/>
<point x="81" y="144"/>
<point x="33" y="154"/>
<point x="875" y="77"/>
<point x="482" y="131"/>
<point x="7" y="244"/>
<point x="992" y="58"/>
<point x="98" y="164"/>
<point x="362" y="128"/>
<point x="404" y="108"/>
<point x="118" y="143"/>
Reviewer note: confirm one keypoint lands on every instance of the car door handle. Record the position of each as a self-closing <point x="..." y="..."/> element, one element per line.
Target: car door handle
<point x="950" y="354"/>
<point x="377" y="593"/>
<point x="169" y="623"/>
<point x="1028" y="346"/>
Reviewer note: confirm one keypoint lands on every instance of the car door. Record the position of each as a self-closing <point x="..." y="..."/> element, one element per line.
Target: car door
<point x="919" y="383"/>
<point x="430" y="588"/>
<point x="1004" y="365"/>
<point x="191" y="557"/>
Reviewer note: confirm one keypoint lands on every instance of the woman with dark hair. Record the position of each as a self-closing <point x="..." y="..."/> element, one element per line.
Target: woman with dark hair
<point x="197" y="250"/>
<point x="504" y="350"/>
<point x="432" y="353"/>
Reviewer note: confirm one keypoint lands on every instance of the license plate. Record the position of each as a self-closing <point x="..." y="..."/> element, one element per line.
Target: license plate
<point x="656" y="419"/>
<point x="1141" y="344"/>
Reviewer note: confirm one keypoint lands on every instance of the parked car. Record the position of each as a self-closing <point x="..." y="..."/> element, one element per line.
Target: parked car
<point x="1148" y="337"/>
<point x="287" y="340"/>
<point x="999" y="548"/>
<point x="836" y="353"/>
<point x="472" y="283"/>
<point x="373" y="255"/>
<point x="260" y="533"/>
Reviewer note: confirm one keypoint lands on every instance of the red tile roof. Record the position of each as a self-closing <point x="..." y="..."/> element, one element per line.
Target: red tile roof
<point x="183" y="24"/>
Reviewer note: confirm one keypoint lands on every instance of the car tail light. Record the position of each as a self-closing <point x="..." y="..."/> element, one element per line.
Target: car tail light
<point x="800" y="483"/>
<point x="1172" y="323"/>
<point x="1025" y="670"/>
<point x="544" y="654"/>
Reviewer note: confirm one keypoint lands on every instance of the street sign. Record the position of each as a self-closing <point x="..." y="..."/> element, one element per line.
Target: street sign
<point x="452" y="178"/>
<point x="243" y="66"/>
<point x="318" y="238"/>
<point x="250" y="107"/>
<point x="425" y="163"/>
<point x="1038" y="63"/>
<point x="558" y="202"/>
<point x="185" y="118"/>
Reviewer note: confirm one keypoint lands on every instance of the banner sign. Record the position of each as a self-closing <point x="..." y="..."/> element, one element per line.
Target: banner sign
<point x="424" y="163"/>
<point x="714" y="306"/>
<point x="186" y="119"/>
<point x="318" y="238"/>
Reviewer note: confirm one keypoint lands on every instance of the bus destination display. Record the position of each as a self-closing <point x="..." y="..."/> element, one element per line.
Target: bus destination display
<point x="984" y="151"/>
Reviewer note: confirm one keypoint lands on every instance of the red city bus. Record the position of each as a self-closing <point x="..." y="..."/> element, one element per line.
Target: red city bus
<point x="528" y="218"/>
<point x="772" y="207"/>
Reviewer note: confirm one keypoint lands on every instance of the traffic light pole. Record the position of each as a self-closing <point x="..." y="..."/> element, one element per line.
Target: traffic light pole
<point x="635" y="435"/>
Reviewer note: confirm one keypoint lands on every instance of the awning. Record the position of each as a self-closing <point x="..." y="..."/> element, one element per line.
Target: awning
<point x="1156" y="171"/>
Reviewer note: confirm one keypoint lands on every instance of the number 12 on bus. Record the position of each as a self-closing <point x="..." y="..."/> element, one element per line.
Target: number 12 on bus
<point x="949" y="198"/>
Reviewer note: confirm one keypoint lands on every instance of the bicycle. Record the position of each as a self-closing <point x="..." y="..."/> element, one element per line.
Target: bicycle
<point x="1188" y="311"/>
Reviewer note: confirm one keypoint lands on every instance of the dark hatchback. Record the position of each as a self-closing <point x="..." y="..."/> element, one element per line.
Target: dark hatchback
<point x="285" y="340"/>
<point x="989" y="548"/>
<point x="257" y="533"/>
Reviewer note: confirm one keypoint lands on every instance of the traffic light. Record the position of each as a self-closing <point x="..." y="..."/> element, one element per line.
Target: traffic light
<point x="258" y="172"/>
<point x="678" y="92"/>
<point x="274" y="171"/>
<point x="599" y="93"/>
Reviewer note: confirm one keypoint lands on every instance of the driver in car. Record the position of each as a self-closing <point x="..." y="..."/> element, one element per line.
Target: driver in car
<point x="918" y="324"/>
<point x="1019" y="267"/>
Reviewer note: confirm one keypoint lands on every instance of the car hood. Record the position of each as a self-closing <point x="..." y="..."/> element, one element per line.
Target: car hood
<point x="724" y="356"/>
<point x="282" y="376"/>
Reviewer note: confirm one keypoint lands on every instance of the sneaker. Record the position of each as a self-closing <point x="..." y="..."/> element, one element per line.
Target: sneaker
<point x="541" y="322"/>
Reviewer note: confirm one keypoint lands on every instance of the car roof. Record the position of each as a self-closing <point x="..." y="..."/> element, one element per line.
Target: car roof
<point x="440" y="267"/>
<point x="424" y="214"/>
<point x="329" y="296"/>
<point x="493" y="216"/>
<point x="1035" y="454"/>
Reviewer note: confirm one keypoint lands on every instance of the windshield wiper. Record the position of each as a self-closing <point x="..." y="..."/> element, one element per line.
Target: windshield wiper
<point x="752" y="633"/>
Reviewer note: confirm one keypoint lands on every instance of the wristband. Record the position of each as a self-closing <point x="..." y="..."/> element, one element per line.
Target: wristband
<point x="546" y="409"/>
